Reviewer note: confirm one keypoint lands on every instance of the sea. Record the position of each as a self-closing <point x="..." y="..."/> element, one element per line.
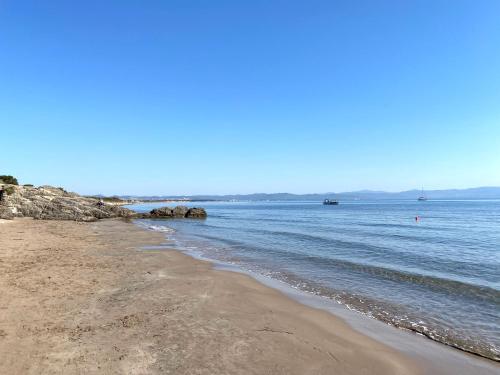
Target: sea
<point x="432" y="267"/>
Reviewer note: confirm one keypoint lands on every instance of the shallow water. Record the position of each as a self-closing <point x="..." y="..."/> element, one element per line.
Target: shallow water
<point x="439" y="276"/>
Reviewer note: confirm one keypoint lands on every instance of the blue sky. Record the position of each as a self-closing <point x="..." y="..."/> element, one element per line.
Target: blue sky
<point x="187" y="97"/>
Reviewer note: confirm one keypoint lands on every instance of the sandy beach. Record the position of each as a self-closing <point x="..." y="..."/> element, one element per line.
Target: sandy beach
<point x="84" y="298"/>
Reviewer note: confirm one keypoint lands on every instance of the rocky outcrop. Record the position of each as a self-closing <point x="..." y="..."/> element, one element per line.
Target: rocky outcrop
<point x="6" y="213"/>
<point x="160" y="212"/>
<point x="48" y="202"/>
<point x="176" y="212"/>
<point x="51" y="203"/>
<point x="196" y="213"/>
<point x="180" y="211"/>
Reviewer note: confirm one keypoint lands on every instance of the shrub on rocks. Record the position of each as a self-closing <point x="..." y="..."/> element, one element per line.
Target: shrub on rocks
<point x="6" y="179"/>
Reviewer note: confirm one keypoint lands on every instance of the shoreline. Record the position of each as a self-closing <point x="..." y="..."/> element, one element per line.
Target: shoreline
<point x="92" y="297"/>
<point x="84" y="297"/>
<point x="414" y="276"/>
<point x="352" y="316"/>
<point x="413" y="343"/>
<point x="410" y="342"/>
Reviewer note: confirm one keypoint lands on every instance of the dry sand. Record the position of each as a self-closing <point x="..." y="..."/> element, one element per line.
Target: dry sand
<point x="80" y="298"/>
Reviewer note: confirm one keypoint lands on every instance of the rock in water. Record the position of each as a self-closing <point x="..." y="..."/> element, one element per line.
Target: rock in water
<point x="176" y="212"/>
<point x="162" y="212"/>
<point x="195" y="212"/>
<point x="180" y="211"/>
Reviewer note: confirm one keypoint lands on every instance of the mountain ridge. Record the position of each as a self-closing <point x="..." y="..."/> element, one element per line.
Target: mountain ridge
<point x="484" y="192"/>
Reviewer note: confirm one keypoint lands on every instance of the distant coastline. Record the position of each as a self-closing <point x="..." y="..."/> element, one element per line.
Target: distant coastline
<point x="119" y="201"/>
<point x="471" y="193"/>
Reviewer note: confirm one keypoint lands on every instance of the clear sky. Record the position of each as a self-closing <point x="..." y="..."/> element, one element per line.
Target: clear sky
<point x="187" y="97"/>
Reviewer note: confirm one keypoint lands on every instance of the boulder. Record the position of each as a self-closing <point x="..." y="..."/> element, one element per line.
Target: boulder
<point x="176" y="212"/>
<point x="119" y="211"/>
<point x="6" y="213"/>
<point x="196" y="212"/>
<point x="162" y="212"/>
<point x="180" y="211"/>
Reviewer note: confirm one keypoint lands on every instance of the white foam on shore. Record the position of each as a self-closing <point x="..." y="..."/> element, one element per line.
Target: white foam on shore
<point x="160" y="228"/>
<point x="156" y="228"/>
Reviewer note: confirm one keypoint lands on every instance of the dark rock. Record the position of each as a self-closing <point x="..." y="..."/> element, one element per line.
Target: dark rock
<point x="176" y="212"/>
<point x="180" y="211"/>
<point x="196" y="212"/>
<point x="119" y="211"/>
<point x="162" y="212"/>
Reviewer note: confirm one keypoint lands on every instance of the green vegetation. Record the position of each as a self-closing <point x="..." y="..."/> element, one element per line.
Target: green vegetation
<point x="28" y="185"/>
<point x="9" y="190"/>
<point x="8" y="180"/>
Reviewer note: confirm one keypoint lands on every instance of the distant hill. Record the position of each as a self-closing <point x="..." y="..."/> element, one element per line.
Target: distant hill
<point x="473" y="193"/>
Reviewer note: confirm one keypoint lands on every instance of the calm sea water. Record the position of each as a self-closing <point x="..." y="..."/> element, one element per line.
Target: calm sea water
<point x="439" y="276"/>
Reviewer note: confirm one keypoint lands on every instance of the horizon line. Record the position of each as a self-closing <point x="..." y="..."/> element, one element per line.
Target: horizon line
<point x="298" y="194"/>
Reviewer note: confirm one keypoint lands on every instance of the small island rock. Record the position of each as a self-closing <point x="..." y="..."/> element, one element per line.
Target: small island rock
<point x="162" y="212"/>
<point x="196" y="212"/>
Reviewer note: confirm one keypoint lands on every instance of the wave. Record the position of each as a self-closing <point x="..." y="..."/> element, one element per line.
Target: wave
<point x="396" y="315"/>
<point x="156" y="228"/>
<point x="461" y="268"/>
<point x="434" y="283"/>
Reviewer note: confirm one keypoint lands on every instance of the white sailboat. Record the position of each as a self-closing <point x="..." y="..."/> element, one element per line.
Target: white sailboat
<point x="422" y="196"/>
